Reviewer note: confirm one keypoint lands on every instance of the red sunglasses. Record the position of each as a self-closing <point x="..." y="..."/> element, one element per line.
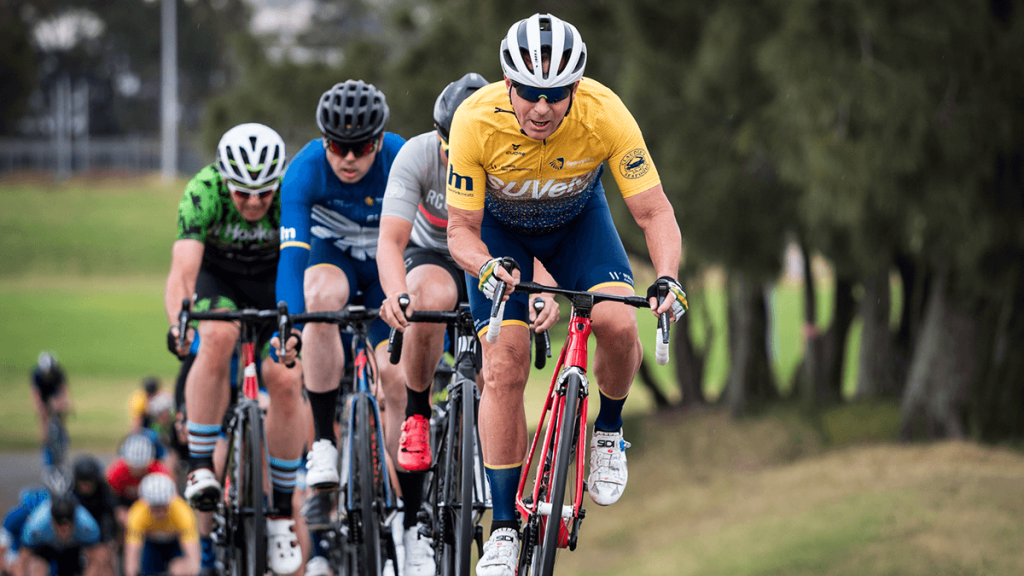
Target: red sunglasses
<point x="358" y="149"/>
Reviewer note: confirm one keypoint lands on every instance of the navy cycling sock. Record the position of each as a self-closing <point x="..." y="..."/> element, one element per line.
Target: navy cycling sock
<point x="324" y="406"/>
<point x="417" y="403"/>
<point x="609" y="417"/>
<point x="504" y="485"/>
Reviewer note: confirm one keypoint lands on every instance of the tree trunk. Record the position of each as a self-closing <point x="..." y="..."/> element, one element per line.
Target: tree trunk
<point x="689" y="362"/>
<point x="997" y="403"/>
<point x="876" y="375"/>
<point x="824" y="358"/>
<point x="943" y="367"/>
<point x="750" y="384"/>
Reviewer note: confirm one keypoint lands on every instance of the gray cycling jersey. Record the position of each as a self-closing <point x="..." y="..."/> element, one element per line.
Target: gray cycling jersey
<point x="416" y="193"/>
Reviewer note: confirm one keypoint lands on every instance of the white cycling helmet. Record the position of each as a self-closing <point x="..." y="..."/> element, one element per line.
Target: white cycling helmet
<point x="157" y="489"/>
<point x="138" y="451"/>
<point x="251" y="155"/>
<point x="539" y="35"/>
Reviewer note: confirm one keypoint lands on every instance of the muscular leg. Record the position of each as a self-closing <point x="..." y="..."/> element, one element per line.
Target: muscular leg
<point x="503" y="418"/>
<point x="432" y="289"/>
<point x="326" y="288"/>
<point x="618" y="353"/>
<point x="207" y="388"/>
<point x="285" y="414"/>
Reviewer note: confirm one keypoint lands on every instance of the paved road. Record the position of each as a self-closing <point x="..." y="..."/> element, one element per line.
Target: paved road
<point x="20" y="469"/>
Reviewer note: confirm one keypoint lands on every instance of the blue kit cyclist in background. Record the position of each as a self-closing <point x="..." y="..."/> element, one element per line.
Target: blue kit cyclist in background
<point x="330" y="213"/>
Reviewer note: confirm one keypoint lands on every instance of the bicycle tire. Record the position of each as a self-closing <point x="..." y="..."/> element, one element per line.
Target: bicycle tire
<point x="253" y="517"/>
<point x="439" y="494"/>
<point x="560" y="472"/>
<point x="369" y="549"/>
<point x="464" y="518"/>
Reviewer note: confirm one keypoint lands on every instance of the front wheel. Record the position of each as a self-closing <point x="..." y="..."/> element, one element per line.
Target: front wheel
<point x="254" y="521"/>
<point x="366" y="444"/>
<point x="564" y="457"/>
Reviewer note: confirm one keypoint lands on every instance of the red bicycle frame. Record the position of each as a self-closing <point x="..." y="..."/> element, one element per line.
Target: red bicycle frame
<point x="573" y="355"/>
<point x="250" y="385"/>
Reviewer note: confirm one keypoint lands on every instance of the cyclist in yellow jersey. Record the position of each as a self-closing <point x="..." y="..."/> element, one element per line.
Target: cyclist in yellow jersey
<point x="524" y="174"/>
<point x="161" y="534"/>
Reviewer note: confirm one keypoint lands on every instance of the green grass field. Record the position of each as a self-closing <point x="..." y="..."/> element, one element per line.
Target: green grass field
<point x="84" y="271"/>
<point x="84" y="276"/>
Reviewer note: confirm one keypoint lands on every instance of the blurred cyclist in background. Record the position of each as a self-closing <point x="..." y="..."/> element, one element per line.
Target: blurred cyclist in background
<point x="57" y="535"/>
<point x="51" y="396"/>
<point x="95" y="496"/>
<point x="161" y="535"/>
<point x="138" y="458"/>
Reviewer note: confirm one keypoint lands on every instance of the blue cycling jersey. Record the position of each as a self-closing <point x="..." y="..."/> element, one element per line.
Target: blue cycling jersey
<point x="314" y="202"/>
<point x="38" y="531"/>
<point x="14" y="521"/>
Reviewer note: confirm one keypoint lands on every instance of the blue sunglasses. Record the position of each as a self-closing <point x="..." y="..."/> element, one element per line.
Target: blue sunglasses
<point x="552" y="95"/>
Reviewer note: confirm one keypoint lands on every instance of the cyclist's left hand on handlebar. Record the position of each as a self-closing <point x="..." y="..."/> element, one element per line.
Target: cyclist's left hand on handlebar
<point x="292" y="348"/>
<point x="491" y="272"/>
<point x="674" y="303"/>
<point x="547" y="317"/>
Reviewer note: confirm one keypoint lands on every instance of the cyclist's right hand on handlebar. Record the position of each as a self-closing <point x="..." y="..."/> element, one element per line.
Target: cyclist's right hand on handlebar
<point x="492" y="272"/>
<point x="392" y="311"/>
<point x="293" y="345"/>
<point x="172" y="342"/>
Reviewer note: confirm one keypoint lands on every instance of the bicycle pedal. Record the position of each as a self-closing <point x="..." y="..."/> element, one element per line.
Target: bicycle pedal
<point x="425" y="531"/>
<point x="205" y="504"/>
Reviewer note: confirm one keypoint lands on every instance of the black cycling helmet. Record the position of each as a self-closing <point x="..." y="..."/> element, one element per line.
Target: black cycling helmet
<point x="87" y="469"/>
<point x="62" y="506"/>
<point x="450" y="98"/>
<point x="352" y="111"/>
<point x="150" y="384"/>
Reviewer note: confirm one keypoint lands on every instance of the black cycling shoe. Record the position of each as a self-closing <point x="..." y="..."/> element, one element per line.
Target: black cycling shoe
<point x="317" y="510"/>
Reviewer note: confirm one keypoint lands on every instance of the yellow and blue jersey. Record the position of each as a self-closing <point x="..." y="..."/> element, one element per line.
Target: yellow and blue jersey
<point x="536" y="186"/>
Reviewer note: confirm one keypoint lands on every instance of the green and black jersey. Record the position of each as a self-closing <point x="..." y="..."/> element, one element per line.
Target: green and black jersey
<point x="232" y="244"/>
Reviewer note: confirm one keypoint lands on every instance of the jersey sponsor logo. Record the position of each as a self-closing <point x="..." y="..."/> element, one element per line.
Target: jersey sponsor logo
<point x="620" y="277"/>
<point x="516" y="146"/>
<point x="514" y="153"/>
<point x="287" y="234"/>
<point x="634" y="164"/>
<point x="557" y="163"/>
<point x="535" y="189"/>
<point x="573" y="163"/>
<point x="436" y="199"/>
<point x="458" y="181"/>
<point x="235" y="232"/>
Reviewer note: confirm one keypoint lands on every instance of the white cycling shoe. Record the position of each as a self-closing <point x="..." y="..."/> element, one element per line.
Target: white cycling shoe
<point x="283" y="553"/>
<point x="608" y="473"/>
<point x="202" y="491"/>
<point x="501" y="554"/>
<point x="419" y="554"/>
<point x="322" y="465"/>
<point x="318" y="566"/>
